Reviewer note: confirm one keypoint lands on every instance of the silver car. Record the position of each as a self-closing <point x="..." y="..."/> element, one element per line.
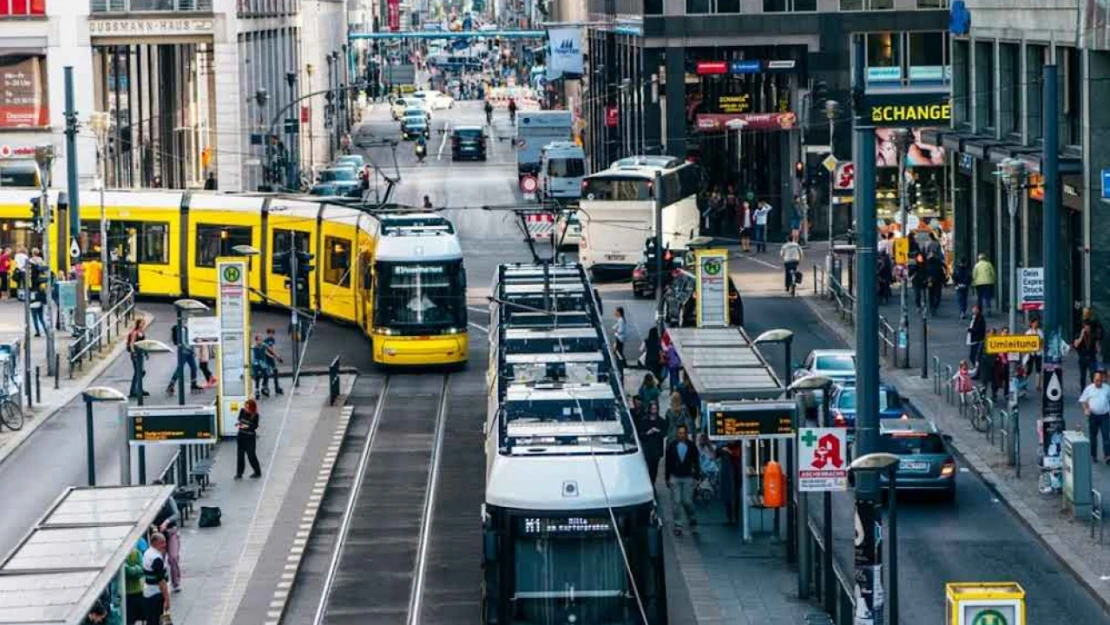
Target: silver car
<point x="839" y="365"/>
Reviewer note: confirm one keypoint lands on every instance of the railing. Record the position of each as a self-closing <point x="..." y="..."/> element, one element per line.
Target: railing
<point x="839" y="604"/>
<point x="886" y="338"/>
<point x="150" y="6"/>
<point x="333" y="381"/>
<point x="181" y="464"/>
<point x="99" y="335"/>
<point x="1096" y="514"/>
<point x="845" y="302"/>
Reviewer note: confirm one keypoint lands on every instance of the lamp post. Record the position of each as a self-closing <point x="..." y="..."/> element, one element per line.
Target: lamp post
<point x="887" y="463"/>
<point x="290" y="164"/>
<point x="738" y="125"/>
<point x="44" y="158"/>
<point x="93" y="395"/>
<point x="184" y="307"/>
<point x="832" y="108"/>
<point x="261" y="97"/>
<point x="100" y="122"/>
<point x="811" y="383"/>
<point x="786" y="338"/>
<point x="145" y="348"/>
<point x="902" y="140"/>
<point x="1012" y="172"/>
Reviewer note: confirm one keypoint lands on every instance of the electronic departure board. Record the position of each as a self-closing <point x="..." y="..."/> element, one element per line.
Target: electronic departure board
<point x="175" y="425"/>
<point x="751" y="419"/>
<point x="564" y="526"/>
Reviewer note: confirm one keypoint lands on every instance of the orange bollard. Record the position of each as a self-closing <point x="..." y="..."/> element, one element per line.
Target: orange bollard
<point x="774" y="485"/>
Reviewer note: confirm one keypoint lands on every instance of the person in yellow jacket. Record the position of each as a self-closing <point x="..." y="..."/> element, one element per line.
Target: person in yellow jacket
<point x="982" y="279"/>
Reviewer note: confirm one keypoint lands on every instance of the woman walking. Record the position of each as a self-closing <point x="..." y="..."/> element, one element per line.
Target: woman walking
<point x="677" y="415"/>
<point x="247" y="440"/>
<point x="137" y="333"/>
<point x="652" y="431"/>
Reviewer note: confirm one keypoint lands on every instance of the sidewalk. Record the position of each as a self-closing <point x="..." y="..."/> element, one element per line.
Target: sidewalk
<point x="1068" y="538"/>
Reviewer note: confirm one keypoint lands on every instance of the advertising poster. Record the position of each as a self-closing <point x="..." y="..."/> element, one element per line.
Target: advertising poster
<point x="233" y="310"/>
<point x="920" y="154"/>
<point x="393" y="14"/>
<point x="23" y="99"/>
<point x="565" y="53"/>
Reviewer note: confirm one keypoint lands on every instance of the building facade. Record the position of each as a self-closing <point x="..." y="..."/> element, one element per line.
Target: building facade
<point x="998" y="104"/>
<point x="742" y="85"/>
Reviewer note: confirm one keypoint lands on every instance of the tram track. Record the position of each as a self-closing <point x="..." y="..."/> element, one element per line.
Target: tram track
<point x="366" y="560"/>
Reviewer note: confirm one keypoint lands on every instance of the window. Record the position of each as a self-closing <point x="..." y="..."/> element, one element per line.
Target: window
<point x="138" y="241"/>
<point x="927" y="49"/>
<point x="617" y="189"/>
<point x="653" y="7"/>
<point x="932" y="4"/>
<point x="337" y="261"/>
<point x="866" y="5"/>
<point x="1070" y="82"/>
<point x="884" y="58"/>
<point x="961" y="83"/>
<point x="417" y="297"/>
<point x="282" y="244"/>
<point x="697" y="6"/>
<point x="1034" y="76"/>
<point x="22" y="8"/>
<point x="842" y="364"/>
<point x="566" y="167"/>
<point x="984" y="84"/>
<point x="1009" y="61"/>
<point x="214" y="241"/>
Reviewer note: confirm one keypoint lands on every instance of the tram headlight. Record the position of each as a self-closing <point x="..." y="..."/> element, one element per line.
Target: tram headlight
<point x="452" y="331"/>
<point x="384" y="331"/>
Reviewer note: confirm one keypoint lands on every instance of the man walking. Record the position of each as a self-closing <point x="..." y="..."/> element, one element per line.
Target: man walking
<point x="186" y="357"/>
<point x="792" y="255"/>
<point x="682" y="470"/>
<point x="273" y="358"/>
<point x="761" y="226"/>
<point x="156" y="593"/>
<point x="1096" y="405"/>
<point x="982" y="278"/>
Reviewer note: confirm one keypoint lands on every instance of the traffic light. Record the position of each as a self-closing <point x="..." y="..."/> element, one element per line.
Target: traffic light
<point x="304" y="263"/>
<point x="36" y="212"/>
<point x="800" y="170"/>
<point x="302" y="293"/>
<point x="280" y="264"/>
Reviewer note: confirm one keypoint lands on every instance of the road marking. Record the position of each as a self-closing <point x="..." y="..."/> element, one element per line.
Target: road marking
<point x="478" y="327"/>
<point x="477" y="309"/>
<point x="443" y="141"/>
<point x="761" y="262"/>
<point x="416" y="597"/>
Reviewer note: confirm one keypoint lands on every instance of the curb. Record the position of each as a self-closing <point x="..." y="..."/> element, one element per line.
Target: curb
<point x="280" y="601"/>
<point x="38" y="420"/>
<point x="1014" y="502"/>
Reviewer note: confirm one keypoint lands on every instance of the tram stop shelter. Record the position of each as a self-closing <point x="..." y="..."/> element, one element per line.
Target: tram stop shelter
<point x="742" y="401"/>
<point x="59" y="570"/>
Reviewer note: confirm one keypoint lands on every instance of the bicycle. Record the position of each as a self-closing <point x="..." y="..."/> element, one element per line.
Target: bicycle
<point x="980" y="414"/>
<point x="11" y="412"/>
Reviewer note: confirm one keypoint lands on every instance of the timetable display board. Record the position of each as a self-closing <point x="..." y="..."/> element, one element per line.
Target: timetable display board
<point x="730" y="421"/>
<point x="171" y="425"/>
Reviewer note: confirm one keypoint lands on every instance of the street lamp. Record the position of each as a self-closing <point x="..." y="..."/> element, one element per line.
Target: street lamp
<point x="887" y="463"/>
<point x="44" y="158"/>
<point x="903" y="138"/>
<point x="738" y="125"/>
<point x="832" y="108"/>
<point x="786" y="337"/>
<point x="184" y="307"/>
<point x="813" y="383"/>
<point x="1012" y="172"/>
<point x="100" y="122"/>
<point x="145" y="347"/>
<point x="93" y="395"/>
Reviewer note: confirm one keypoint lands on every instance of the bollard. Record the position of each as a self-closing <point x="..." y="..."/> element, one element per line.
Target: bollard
<point x="27" y="386"/>
<point x="57" y="370"/>
<point x="936" y="375"/>
<point x="1015" y="444"/>
<point x="38" y="385"/>
<point x="949" y="392"/>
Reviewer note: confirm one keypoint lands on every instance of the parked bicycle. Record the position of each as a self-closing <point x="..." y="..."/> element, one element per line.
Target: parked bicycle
<point x="980" y="409"/>
<point x="11" y="411"/>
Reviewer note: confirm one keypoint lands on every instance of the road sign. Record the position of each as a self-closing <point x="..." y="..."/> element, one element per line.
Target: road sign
<point x="732" y="421"/>
<point x="174" y="425"/>
<point x="844" y="178"/>
<point x="822" y="459"/>
<point x="1031" y="288"/>
<point x="1014" y="344"/>
<point x="829" y="163"/>
<point x="1106" y="184"/>
<point x="901" y="251"/>
<point x="528" y="184"/>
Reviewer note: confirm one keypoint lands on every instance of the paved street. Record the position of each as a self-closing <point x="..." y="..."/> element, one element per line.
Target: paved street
<point x="977" y="539"/>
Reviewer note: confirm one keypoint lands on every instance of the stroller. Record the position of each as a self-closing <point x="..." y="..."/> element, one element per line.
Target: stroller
<point x="1021" y="380"/>
<point x="708" y="486"/>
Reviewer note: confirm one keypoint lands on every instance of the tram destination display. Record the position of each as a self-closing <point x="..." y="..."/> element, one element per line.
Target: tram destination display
<point x="172" y="425"/>
<point x="750" y="419"/>
<point x="564" y="526"/>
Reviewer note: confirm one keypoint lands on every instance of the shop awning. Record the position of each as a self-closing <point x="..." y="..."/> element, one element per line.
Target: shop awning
<point x="58" y="571"/>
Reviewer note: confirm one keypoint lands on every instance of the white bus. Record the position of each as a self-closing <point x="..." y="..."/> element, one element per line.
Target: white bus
<point x="617" y="213"/>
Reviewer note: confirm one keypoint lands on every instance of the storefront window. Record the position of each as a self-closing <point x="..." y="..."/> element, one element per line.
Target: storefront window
<point x="1010" y="91"/>
<point x="984" y="84"/>
<point x="697" y="6"/>
<point x="1034" y="64"/>
<point x="728" y="6"/>
<point x="1071" y="83"/>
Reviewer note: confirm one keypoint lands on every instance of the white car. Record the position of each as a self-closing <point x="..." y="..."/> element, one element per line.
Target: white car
<point x="400" y="105"/>
<point x="435" y="99"/>
<point x="568" y="229"/>
<point x="839" y="365"/>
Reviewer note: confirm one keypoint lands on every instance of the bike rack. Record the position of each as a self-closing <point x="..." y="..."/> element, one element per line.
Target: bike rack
<point x="1004" y="417"/>
<point x="936" y="375"/>
<point x="1096" y="514"/>
<point x="990" y="420"/>
<point x="949" y="391"/>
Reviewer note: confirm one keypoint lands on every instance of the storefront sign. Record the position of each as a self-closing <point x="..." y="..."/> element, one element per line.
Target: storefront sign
<point x="565" y="53"/>
<point x="718" y="122"/>
<point x="822" y="459"/>
<point x="884" y="74"/>
<point x="233" y="310"/>
<point x="23" y="99"/>
<point x="908" y="109"/>
<point x="745" y="67"/>
<point x="704" y="68"/>
<point x="919" y="154"/>
<point x="612" y="116"/>
<point x="844" y="178"/>
<point x="1106" y="184"/>
<point x="17" y="151"/>
<point x="1036" y="186"/>
<point x="966" y="163"/>
<point x="712" y="288"/>
<point x="1031" y="288"/>
<point x="730" y="104"/>
<point x="930" y="73"/>
<point x="782" y="66"/>
<point x="152" y="26"/>
<point x="393" y="14"/>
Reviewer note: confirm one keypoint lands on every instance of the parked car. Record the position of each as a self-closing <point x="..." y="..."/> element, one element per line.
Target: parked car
<point x="435" y="99"/>
<point x="839" y="365"/>
<point x="925" y="458"/>
<point x="414" y="127"/>
<point x="568" y="229"/>
<point x="355" y="160"/>
<point x="338" y="181"/>
<point x="468" y="142"/>
<point x="842" y="405"/>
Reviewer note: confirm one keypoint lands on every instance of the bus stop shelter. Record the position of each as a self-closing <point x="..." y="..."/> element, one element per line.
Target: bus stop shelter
<point x="742" y="400"/>
<point x="56" y="574"/>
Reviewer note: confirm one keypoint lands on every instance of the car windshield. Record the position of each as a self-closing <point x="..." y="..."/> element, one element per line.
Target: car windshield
<point x="339" y="174"/>
<point x="415" y="120"/>
<point x="468" y="133"/>
<point x="414" y="112"/>
<point x="839" y="364"/>
<point x="846" y="400"/>
<point x="912" y="444"/>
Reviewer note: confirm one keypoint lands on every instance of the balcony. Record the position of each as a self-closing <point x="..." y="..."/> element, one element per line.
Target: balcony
<point x="100" y="7"/>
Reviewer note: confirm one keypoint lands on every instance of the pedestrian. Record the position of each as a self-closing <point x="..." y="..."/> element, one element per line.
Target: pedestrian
<point x="761" y="214"/>
<point x="982" y="278"/>
<point x="1096" y="405"/>
<point x="651" y="352"/>
<point x="653" y="429"/>
<point x="886" y="277"/>
<point x="246" y="441"/>
<point x="1086" y="347"/>
<point x="730" y="485"/>
<point x="962" y="383"/>
<point x="886" y="244"/>
<point x="792" y="256"/>
<point x="987" y="369"/>
<point x="133" y="582"/>
<point x="38" y="306"/>
<point x="97" y="614"/>
<point x="137" y="333"/>
<point x="712" y="215"/>
<point x="744" y="225"/>
<point x="1002" y="366"/>
<point x="674" y="364"/>
<point x="20" y="273"/>
<point x="637" y="410"/>
<point x="938" y="277"/>
<point x="1035" y="362"/>
<point x="260" y="369"/>
<point x="5" y="270"/>
<point x="620" y="334"/>
<point x="428" y="203"/>
<point x="919" y="280"/>
<point x="678" y="415"/>
<point x="798" y="211"/>
<point x="204" y="356"/>
<point x="976" y="334"/>
<point x="179" y="336"/>
<point x="962" y="278"/>
<point x="649" y="390"/>
<point x="273" y="358"/>
<point x="156" y="593"/>
<point x="732" y="206"/>
<point x="682" y="468"/>
<point x="689" y="394"/>
<point x="166" y="523"/>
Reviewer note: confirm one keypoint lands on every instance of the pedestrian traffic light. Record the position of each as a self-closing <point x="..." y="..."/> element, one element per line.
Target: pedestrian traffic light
<point x="280" y="264"/>
<point x="36" y="212"/>
<point x="800" y="170"/>
<point x="304" y="263"/>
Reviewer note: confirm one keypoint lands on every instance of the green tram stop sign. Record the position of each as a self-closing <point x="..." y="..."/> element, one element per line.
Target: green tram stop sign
<point x="171" y="425"/>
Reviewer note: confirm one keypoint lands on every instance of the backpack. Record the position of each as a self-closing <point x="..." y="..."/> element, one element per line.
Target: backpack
<point x="209" y="516"/>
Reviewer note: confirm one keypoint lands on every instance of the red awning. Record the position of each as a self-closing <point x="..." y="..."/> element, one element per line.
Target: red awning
<point x="718" y="122"/>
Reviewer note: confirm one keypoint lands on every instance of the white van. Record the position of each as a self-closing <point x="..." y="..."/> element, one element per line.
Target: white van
<point x="562" y="168"/>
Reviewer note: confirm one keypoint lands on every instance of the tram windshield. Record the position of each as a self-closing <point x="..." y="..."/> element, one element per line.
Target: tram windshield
<point x="561" y="411"/>
<point x="414" y="298"/>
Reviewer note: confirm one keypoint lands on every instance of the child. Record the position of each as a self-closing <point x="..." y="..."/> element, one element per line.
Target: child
<point x="962" y="383"/>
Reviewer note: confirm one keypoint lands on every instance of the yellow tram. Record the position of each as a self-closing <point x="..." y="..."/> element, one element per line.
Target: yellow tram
<point x="398" y="277"/>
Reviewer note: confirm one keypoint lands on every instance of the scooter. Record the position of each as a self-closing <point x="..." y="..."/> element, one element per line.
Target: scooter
<point x="421" y="151"/>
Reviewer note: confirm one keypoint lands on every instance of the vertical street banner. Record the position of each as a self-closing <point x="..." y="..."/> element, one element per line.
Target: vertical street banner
<point x="712" y="288"/>
<point x="393" y="14"/>
<point x="564" y="54"/>
<point x="233" y="311"/>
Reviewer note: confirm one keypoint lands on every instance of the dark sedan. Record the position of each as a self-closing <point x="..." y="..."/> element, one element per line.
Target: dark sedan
<point x="338" y="181"/>
<point x="925" y="460"/>
<point x="842" y="405"/>
<point x="413" y="128"/>
<point x="468" y="142"/>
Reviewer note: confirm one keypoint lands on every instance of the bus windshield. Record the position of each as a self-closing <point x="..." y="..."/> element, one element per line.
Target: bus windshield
<point x="616" y="189"/>
<point x="413" y="298"/>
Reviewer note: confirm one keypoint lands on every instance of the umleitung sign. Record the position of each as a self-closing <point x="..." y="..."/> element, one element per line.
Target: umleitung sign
<point x="908" y="109"/>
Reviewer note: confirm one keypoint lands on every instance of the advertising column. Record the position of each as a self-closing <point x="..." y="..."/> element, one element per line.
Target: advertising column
<point x="233" y="310"/>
